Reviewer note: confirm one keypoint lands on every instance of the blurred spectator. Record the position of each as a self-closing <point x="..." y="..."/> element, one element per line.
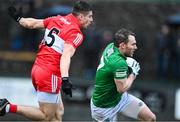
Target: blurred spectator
<point x="107" y="37"/>
<point x="167" y="52"/>
<point x="91" y="51"/>
<point x="163" y="52"/>
<point x="174" y="60"/>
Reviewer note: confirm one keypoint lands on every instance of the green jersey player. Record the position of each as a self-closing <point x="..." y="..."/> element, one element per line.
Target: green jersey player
<point x="114" y="76"/>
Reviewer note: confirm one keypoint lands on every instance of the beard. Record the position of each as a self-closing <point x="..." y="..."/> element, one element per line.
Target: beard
<point x="128" y="54"/>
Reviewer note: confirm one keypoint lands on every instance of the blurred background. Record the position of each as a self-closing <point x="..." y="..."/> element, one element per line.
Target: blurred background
<point x="157" y="27"/>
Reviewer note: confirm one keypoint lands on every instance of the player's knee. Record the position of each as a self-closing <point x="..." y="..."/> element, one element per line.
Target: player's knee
<point x="147" y="116"/>
<point x="59" y="116"/>
<point x="60" y="113"/>
<point x="49" y="117"/>
<point x="151" y="118"/>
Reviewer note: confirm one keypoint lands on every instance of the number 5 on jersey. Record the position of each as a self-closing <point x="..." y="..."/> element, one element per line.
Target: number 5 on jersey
<point x="50" y="36"/>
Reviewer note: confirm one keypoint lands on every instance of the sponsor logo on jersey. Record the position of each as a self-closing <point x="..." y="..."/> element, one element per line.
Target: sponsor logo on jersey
<point x="65" y="21"/>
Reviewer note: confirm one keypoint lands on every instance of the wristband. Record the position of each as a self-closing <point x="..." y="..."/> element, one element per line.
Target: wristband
<point x="65" y="78"/>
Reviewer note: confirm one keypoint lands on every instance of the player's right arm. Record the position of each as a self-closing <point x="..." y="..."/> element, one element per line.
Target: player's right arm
<point x="124" y="82"/>
<point x="31" y="23"/>
<point x="122" y="78"/>
<point x="123" y="85"/>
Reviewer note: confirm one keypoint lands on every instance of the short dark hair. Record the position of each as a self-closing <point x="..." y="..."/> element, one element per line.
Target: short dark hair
<point x="81" y="6"/>
<point x="122" y="36"/>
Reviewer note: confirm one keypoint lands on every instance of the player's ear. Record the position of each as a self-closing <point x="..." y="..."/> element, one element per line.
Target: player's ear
<point x="80" y="16"/>
<point x="122" y="45"/>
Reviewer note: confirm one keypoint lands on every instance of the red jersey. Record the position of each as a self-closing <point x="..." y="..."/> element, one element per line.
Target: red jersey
<point x="59" y="30"/>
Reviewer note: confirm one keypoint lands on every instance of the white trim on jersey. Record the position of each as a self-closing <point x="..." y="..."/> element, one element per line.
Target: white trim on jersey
<point x="77" y="39"/>
<point x="54" y="82"/>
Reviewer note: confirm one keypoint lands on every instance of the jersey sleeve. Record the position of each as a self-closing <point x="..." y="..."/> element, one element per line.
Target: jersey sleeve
<point x="75" y="38"/>
<point x="47" y="20"/>
<point x="120" y="70"/>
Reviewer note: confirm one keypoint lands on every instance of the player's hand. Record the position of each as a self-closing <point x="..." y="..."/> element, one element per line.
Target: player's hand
<point x="134" y="65"/>
<point x="67" y="86"/>
<point x="14" y="13"/>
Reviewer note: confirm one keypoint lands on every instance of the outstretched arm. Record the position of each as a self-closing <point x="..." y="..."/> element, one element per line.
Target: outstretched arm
<point x="30" y="23"/>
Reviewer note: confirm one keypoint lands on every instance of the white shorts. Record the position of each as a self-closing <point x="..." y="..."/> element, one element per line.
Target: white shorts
<point x="48" y="97"/>
<point x="129" y="105"/>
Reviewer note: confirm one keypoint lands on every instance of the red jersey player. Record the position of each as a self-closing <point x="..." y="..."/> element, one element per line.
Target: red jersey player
<point x="50" y="70"/>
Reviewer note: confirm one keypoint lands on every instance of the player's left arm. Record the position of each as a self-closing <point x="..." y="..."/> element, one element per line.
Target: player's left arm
<point x="72" y="42"/>
<point x="65" y="61"/>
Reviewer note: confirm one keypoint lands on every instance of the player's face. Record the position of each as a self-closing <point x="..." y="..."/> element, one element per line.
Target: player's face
<point x="130" y="46"/>
<point x="86" y="19"/>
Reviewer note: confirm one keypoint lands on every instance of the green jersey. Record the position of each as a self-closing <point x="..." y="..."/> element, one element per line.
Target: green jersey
<point x="112" y="66"/>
